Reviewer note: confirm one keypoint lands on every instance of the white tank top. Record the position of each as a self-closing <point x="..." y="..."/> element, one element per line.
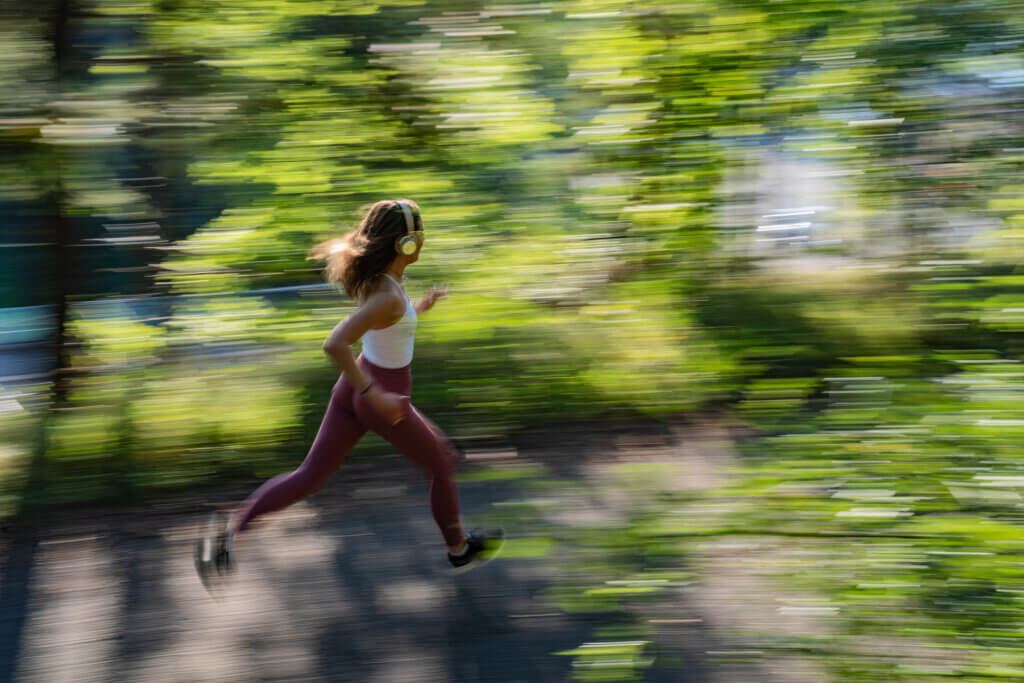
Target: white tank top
<point x="391" y="347"/>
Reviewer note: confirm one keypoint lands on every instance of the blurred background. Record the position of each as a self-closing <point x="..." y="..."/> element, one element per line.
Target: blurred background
<point x="801" y="217"/>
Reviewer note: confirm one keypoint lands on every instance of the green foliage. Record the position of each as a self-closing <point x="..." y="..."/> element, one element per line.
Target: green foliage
<point x="575" y="163"/>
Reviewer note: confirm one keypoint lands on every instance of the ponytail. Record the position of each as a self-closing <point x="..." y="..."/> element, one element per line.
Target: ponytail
<point x="342" y="255"/>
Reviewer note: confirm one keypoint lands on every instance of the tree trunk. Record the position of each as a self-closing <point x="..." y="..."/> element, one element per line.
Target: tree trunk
<point x="62" y="230"/>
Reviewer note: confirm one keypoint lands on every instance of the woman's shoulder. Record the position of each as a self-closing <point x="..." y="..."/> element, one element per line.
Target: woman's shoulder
<point x="382" y="295"/>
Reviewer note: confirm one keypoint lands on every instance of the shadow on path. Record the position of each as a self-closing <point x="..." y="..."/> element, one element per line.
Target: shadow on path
<point x="348" y="585"/>
<point x="15" y="573"/>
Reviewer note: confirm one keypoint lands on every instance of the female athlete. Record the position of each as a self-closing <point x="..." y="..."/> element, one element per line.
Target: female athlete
<point x="372" y="392"/>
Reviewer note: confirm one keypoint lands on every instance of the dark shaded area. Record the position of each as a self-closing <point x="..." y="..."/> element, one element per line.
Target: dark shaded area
<point x="19" y="559"/>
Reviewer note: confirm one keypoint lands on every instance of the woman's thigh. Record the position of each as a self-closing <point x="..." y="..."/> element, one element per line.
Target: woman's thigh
<point x="339" y="431"/>
<point x="415" y="436"/>
<point x="423" y="442"/>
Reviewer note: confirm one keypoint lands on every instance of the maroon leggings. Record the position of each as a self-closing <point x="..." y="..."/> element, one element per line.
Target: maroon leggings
<point x="349" y="414"/>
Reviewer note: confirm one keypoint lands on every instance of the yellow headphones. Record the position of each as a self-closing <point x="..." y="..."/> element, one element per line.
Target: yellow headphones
<point x="411" y="241"/>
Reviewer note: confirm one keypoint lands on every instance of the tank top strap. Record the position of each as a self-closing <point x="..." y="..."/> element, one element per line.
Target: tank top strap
<point x="400" y="287"/>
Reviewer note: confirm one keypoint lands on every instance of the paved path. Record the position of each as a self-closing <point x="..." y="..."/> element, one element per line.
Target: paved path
<point x="349" y="585"/>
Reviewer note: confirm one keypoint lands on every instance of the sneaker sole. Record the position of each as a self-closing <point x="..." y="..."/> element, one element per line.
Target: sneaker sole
<point x="481" y="561"/>
<point x="203" y="555"/>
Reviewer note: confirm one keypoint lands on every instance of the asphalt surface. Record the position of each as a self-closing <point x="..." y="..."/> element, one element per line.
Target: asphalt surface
<point x="350" y="584"/>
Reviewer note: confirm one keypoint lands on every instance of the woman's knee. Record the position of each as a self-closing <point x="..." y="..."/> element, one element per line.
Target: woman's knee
<point x="308" y="481"/>
<point x="446" y="461"/>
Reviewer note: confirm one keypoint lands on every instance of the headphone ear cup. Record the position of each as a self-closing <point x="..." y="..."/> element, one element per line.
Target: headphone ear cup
<point x="407" y="245"/>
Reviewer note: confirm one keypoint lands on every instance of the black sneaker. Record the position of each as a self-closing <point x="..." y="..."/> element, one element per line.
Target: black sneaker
<point x="483" y="546"/>
<point x="213" y="551"/>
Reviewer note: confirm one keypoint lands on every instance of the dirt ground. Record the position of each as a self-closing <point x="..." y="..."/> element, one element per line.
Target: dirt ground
<point x="351" y="584"/>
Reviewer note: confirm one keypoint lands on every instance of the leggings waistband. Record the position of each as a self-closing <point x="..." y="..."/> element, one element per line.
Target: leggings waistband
<point x="378" y="370"/>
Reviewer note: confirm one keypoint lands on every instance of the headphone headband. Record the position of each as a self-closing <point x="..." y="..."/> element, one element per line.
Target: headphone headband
<point x="410" y="222"/>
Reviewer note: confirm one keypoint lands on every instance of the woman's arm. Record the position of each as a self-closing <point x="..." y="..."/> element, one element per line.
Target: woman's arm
<point x="377" y="312"/>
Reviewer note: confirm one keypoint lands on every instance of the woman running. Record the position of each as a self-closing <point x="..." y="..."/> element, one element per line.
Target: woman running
<point x="371" y="393"/>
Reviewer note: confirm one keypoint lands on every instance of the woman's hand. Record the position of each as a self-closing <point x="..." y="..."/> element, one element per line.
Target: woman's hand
<point x="388" y="405"/>
<point x="433" y="295"/>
